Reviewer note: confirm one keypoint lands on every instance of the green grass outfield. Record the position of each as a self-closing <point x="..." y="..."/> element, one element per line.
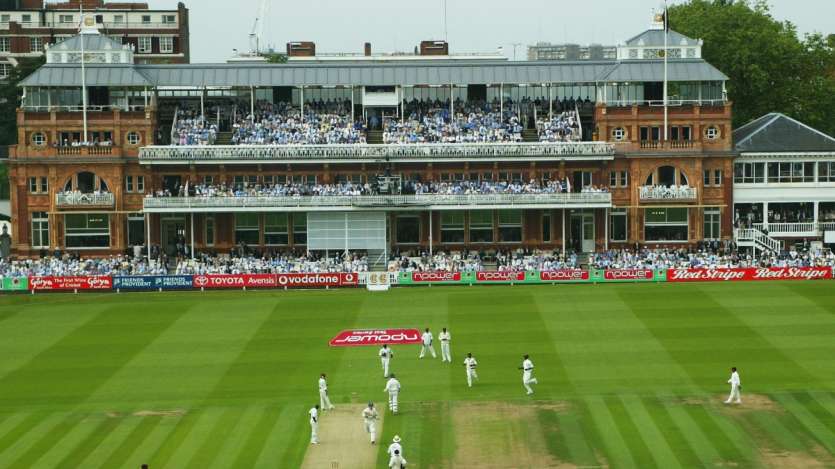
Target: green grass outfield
<point x="631" y="375"/>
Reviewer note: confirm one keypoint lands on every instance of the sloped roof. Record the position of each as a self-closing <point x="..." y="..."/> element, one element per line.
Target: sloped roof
<point x="678" y="70"/>
<point x="778" y="133"/>
<point x="655" y="37"/>
<point x="92" y="42"/>
<point x="69" y="75"/>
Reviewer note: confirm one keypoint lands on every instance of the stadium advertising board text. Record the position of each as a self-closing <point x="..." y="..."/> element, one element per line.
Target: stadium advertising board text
<point x="435" y="277"/>
<point x="500" y="276"/>
<point x="317" y="280"/>
<point x="235" y="281"/>
<point x="98" y="282"/>
<point x="376" y="337"/>
<point x="566" y="275"/>
<point x="153" y="282"/>
<point x="749" y="274"/>
<point x="14" y="284"/>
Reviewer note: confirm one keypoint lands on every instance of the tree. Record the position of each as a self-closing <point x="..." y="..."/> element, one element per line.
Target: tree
<point x="770" y="68"/>
<point x="10" y="95"/>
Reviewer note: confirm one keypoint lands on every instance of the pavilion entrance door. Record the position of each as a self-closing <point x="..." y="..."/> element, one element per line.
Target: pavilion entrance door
<point x="173" y="230"/>
<point x="582" y="231"/>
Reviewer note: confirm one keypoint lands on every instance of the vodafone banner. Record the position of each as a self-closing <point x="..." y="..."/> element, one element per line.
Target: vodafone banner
<point x="235" y="281"/>
<point x="500" y="276"/>
<point x="376" y="337"/>
<point x="317" y="280"/>
<point x="749" y="274"/>
<point x="433" y="277"/>
<point x="567" y="275"/>
<point x="98" y="282"/>
<point x="628" y="275"/>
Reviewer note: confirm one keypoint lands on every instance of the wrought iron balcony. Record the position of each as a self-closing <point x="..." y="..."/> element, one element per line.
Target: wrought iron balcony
<point x="79" y="199"/>
<point x="667" y="193"/>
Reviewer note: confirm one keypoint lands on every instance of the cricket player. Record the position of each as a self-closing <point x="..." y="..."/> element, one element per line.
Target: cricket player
<point x="369" y="415"/>
<point x="527" y="374"/>
<point x="445" y="337"/>
<point x="385" y="356"/>
<point x="393" y="388"/>
<point x="426" y="337"/>
<point x="397" y="461"/>
<point x="395" y="446"/>
<point x="469" y="365"/>
<point x="314" y="425"/>
<point x="324" y="400"/>
<point x="735" y="387"/>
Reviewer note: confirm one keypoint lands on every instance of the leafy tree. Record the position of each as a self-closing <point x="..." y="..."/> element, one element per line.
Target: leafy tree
<point x="771" y="69"/>
<point x="10" y="95"/>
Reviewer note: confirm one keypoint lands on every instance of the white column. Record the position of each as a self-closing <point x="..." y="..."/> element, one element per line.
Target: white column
<point x="301" y="101"/>
<point x="451" y="101"/>
<point x="192" y="235"/>
<point x="563" y="232"/>
<point x="765" y="216"/>
<point x="550" y="101"/>
<point x="606" y="229"/>
<point x="145" y="97"/>
<point x="353" y="119"/>
<point x="501" y="100"/>
<point x="252" y="102"/>
<point x="815" y="216"/>
<point x="430" y="233"/>
<point x="203" y="104"/>
<point x="148" y="235"/>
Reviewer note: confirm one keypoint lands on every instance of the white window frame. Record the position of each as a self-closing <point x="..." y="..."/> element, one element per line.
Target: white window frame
<point x="618" y="134"/>
<point x="39" y="139"/>
<point x="65" y="19"/>
<point x="616" y="213"/>
<point x="36" y="44"/>
<point x="133" y="138"/>
<point x="140" y="184"/>
<point x="166" y="45"/>
<point x="5" y="44"/>
<point x="5" y="70"/>
<point x="712" y="212"/>
<point x="129" y="184"/>
<point x="169" y="19"/>
<point x="146" y="19"/>
<point x="39" y="224"/>
<point x="145" y="44"/>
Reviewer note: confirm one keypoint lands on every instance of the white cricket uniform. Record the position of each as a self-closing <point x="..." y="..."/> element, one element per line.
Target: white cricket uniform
<point x="470" y="363"/>
<point x="369" y="416"/>
<point x="324" y="400"/>
<point x="527" y="375"/>
<point x="385" y="357"/>
<point x="394" y="446"/>
<point x="393" y="388"/>
<point x="734" y="382"/>
<point x="314" y="425"/>
<point x="397" y="462"/>
<point x="426" y="337"/>
<point x="445" y="337"/>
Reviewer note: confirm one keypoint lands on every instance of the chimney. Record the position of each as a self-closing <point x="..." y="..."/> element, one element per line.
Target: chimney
<point x="301" y="49"/>
<point x="368" y="49"/>
<point x="434" y="48"/>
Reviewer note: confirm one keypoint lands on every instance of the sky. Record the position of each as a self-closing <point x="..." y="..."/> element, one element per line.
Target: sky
<point x="219" y="26"/>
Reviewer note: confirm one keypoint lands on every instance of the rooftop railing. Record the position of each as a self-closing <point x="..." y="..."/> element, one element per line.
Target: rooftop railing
<point x="78" y="199"/>
<point x="361" y="151"/>
<point x="377" y="201"/>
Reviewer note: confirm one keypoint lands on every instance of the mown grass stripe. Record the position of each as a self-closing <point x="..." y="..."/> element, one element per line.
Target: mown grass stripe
<point x="692" y="432"/>
<point x="254" y="445"/>
<point x="107" y="445"/>
<point x="291" y="428"/>
<point x="209" y="421"/>
<point x="613" y="441"/>
<point x="745" y="447"/>
<point x="657" y="444"/>
<point x="21" y="428"/>
<point x="779" y="436"/>
<point x="143" y="452"/>
<point x="86" y="429"/>
<point x="84" y="446"/>
<point x="809" y="421"/>
<point x="40" y="442"/>
<point x="815" y="408"/>
<point x="126" y="447"/>
<point x="728" y="449"/>
<point x="220" y="432"/>
<point x="226" y="450"/>
<point x="179" y="434"/>
<point x="671" y="432"/>
<point x="826" y="400"/>
<point x="576" y="439"/>
<point x="10" y="421"/>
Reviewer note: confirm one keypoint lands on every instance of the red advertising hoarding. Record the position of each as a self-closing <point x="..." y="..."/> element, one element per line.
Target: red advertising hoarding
<point x="439" y="276"/>
<point x="376" y="337"/>
<point x="749" y="274"/>
<point x="317" y="280"/>
<point x="628" y="274"/>
<point x="565" y="275"/>
<point x="96" y="282"/>
<point x="500" y="276"/>
<point x="235" y="281"/>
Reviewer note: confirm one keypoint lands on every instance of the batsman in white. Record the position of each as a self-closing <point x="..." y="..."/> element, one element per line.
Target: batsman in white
<point x="393" y="389"/>
<point x="314" y="425"/>
<point x="324" y="400"/>
<point x="527" y="374"/>
<point x="369" y="416"/>
<point x="385" y="356"/>
<point x="445" y="337"/>
<point x="735" y="387"/>
<point x="469" y="364"/>
<point x="426" y="344"/>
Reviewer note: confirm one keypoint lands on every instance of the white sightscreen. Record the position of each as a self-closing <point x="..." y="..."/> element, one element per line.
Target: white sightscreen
<point x="338" y="231"/>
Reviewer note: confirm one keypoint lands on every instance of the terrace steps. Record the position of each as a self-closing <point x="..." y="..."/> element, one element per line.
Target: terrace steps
<point x="223" y="138"/>
<point x="375" y="137"/>
<point x="530" y="135"/>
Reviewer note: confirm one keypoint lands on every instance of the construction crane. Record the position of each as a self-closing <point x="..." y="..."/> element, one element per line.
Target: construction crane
<point x="257" y="33"/>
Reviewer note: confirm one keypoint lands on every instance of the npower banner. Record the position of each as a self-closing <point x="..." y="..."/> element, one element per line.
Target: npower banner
<point x="749" y="274"/>
<point x="97" y="282"/>
<point x="500" y="277"/>
<point x="565" y="275"/>
<point x="628" y="275"/>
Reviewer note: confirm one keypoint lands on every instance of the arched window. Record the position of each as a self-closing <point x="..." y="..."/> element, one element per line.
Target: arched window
<point x="86" y="183"/>
<point x="667" y="176"/>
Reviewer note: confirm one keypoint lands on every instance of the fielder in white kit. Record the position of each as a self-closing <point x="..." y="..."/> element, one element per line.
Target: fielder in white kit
<point x="735" y="387"/>
<point x="527" y="374"/>
<point x="393" y="389"/>
<point x="470" y="364"/>
<point x="369" y="416"/>
<point x="385" y="356"/>
<point x="426" y="343"/>
<point x="314" y="425"/>
<point x="445" y="337"/>
<point x="324" y="400"/>
<point x="395" y="446"/>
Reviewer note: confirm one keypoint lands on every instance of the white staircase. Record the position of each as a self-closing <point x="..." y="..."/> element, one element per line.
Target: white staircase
<point x="754" y="238"/>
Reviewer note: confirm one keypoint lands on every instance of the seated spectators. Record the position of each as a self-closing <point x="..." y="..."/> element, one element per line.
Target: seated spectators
<point x="564" y="127"/>
<point x="522" y="260"/>
<point x="473" y="122"/>
<point x="271" y="263"/>
<point x="440" y="261"/>
<point x="192" y="128"/>
<point x="280" y="124"/>
<point x="707" y="258"/>
<point x="73" y="265"/>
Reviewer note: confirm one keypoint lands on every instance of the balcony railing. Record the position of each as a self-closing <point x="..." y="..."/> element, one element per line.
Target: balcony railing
<point x="668" y="145"/>
<point x="378" y="201"/>
<point x="597" y="150"/>
<point x="85" y="151"/>
<point x="670" y="193"/>
<point x="78" y="199"/>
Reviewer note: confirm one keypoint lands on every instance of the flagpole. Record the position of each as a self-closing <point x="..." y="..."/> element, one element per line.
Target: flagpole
<point x="666" y="96"/>
<point x="83" y="74"/>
